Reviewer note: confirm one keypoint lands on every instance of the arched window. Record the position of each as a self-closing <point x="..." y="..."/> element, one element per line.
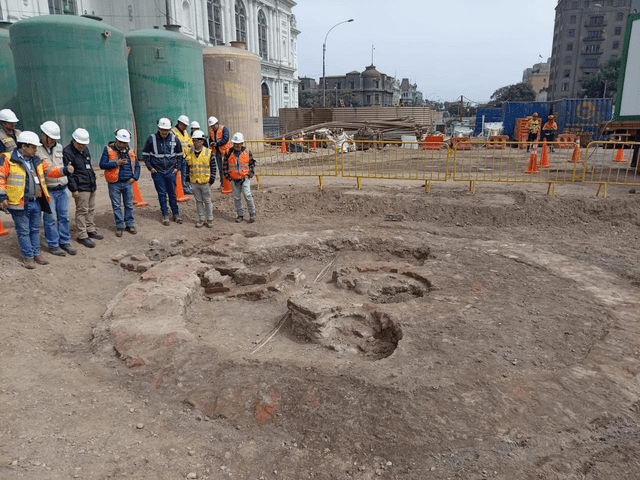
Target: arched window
<point x="262" y="34"/>
<point x="241" y="22"/>
<point x="186" y="15"/>
<point x="214" y="17"/>
<point x="265" y="89"/>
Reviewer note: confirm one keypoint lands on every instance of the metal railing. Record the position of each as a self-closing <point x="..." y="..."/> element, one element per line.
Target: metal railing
<point x="611" y="163"/>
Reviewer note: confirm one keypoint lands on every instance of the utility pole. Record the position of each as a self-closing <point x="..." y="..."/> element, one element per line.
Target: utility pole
<point x="461" y="106"/>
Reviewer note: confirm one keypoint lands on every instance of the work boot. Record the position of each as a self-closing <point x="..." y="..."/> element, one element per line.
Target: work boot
<point x="57" y="251"/>
<point x="199" y="224"/>
<point x="68" y="248"/>
<point x="87" y="242"/>
<point x="252" y="219"/>
<point x="29" y="263"/>
<point x="40" y="260"/>
<point x="177" y="218"/>
<point x="165" y="221"/>
<point x="119" y="232"/>
<point x="209" y="224"/>
<point x="132" y="230"/>
<point x="239" y="220"/>
<point x="96" y="235"/>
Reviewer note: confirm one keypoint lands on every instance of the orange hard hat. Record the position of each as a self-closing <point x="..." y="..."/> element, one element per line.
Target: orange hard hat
<point x="550" y="116"/>
<point x="535" y="114"/>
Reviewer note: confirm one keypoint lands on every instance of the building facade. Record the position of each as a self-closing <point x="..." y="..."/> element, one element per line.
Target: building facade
<point x="369" y="87"/>
<point x="586" y="35"/>
<point x="267" y="27"/>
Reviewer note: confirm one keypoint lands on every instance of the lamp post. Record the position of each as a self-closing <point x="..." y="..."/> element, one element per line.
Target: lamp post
<point x="324" y="50"/>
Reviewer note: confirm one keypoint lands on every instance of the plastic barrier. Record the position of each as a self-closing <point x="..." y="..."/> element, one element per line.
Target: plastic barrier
<point x="611" y="163"/>
<point x="498" y="142"/>
<point x="460" y="143"/>
<point x="433" y="143"/>
<point x="566" y="140"/>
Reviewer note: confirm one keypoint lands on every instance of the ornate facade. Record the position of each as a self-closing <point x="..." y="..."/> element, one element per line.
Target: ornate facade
<point x="268" y="27"/>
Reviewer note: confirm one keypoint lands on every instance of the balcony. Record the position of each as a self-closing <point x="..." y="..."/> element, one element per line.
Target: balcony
<point x="595" y="25"/>
<point x="593" y="39"/>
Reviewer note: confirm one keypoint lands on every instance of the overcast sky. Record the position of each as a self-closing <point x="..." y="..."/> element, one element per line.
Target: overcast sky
<point x="448" y="47"/>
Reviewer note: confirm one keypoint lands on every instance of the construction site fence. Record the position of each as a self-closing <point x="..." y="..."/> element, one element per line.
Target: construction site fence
<point x="431" y="160"/>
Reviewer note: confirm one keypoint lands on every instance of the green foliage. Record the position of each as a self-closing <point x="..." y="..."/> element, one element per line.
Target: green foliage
<point x="518" y="92"/>
<point x="593" y="86"/>
<point x="314" y="99"/>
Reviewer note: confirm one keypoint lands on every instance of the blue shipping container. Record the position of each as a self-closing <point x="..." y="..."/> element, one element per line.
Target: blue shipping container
<point x="513" y="110"/>
<point x="582" y="115"/>
<point x="490" y="115"/>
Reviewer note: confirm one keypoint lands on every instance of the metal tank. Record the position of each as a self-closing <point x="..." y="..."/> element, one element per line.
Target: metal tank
<point x="8" y="84"/>
<point x="233" y="88"/>
<point x="72" y="70"/>
<point x="166" y="78"/>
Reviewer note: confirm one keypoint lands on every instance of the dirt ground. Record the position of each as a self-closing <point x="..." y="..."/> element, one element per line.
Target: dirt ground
<point x="510" y="347"/>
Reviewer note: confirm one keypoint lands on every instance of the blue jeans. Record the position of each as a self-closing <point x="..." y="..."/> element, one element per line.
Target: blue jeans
<point x="219" y="165"/>
<point x="56" y="224"/>
<point x="165" y="184"/>
<point x="182" y="166"/>
<point x="121" y="193"/>
<point x="27" y="223"/>
<point x="245" y="189"/>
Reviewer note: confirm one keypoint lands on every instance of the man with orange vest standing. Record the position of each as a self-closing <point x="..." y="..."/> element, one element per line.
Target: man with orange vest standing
<point x="237" y="167"/>
<point x="218" y="142"/>
<point x="121" y="170"/>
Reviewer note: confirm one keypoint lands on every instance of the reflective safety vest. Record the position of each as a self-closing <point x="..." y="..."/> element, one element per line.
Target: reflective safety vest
<point x="8" y="141"/>
<point x="13" y="179"/>
<point x="238" y="165"/>
<point x="185" y="138"/>
<point x="219" y="134"/>
<point x="534" y="125"/>
<point x="550" y="125"/>
<point x="199" y="165"/>
<point x="111" y="175"/>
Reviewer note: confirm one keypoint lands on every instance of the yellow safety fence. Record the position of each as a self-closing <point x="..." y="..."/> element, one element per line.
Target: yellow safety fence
<point x="611" y="163"/>
<point x="516" y="162"/>
<point x="395" y="161"/>
<point x="294" y="158"/>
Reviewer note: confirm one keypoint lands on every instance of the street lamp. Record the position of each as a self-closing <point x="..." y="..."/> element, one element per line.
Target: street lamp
<point x="324" y="50"/>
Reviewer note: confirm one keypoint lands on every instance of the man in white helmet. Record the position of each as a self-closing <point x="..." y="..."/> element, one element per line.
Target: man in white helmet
<point x="56" y="224"/>
<point x="161" y="154"/>
<point x="83" y="186"/>
<point x="121" y="170"/>
<point x="218" y="141"/>
<point x="194" y="126"/>
<point x="180" y="131"/>
<point x="9" y="133"/>
<point x="201" y="173"/>
<point x="238" y="167"/>
<point x="23" y="190"/>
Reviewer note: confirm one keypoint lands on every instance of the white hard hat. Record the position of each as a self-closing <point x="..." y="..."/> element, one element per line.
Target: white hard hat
<point x="123" y="135"/>
<point x="81" y="136"/>
<point x="195" y="124"/>
<point x="7" y="115"/>
<point x="212" y="121"/>
<point x="30" y="138"/>
<point x="51" y="129"/>
<point x="183" y="119"/>
<point x="237" y="138"/>
<point x="164" y="123"/>
<point x="198" y="134"/>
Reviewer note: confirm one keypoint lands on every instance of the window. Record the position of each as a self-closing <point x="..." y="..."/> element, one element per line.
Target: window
<point x="599" y="20"/>
<point x="369" y="99"/>
<point x="262" y="34"/>
<point x="619" y="16"/>
<point x="567" y="73"/>
<point x="241" y="22"/>
<point x="590" y="62"/>
<point x="569" y="47"/>
<point x="574" y="5"/>
<point x="286" y="88"/>
<point x="352" y="85"/>
<point x="565" y="87"/>
<point x="618" y="31"/>
<point x="593" y="48"/>
<point x="572" y="19"/>
<point x="214" y="14"/>
<point x="594" y="34"/>
<point x="186" y="15"/>
<point x="616" y="45"/>
<point x="62" y="6"/>
<point x="572" y="32"/>
<point x="567" y="60"/>
<point x="586" y="4"/>
<point x="339" y="86"/>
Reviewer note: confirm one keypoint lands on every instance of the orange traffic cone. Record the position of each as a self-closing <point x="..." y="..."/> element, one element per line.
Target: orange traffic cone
<point x="226" y="184"/>
<point x="137" y="197"/>
<point x="283" y="149"/>
<point x="181" y="197"/>
<point x="533" y="160"/>
<point x="3" y="231"/>
<point x="620" y="156"/>
<point x="544" y="160"/>
<point x="576" y="154"/>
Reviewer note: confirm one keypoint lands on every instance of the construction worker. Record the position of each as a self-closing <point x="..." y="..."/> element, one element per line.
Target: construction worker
<point x="161" y="154"/>
<point x="237" y="167"/>
<point x="533" y="126"/>
<point x="23" y="191"/>
<point x="218" y="141"/>
<point x="194" y="126"/>
<point x="8" y="134"/>
<point x="201" y="173"/>
<point x="83" y="186"/>
<point x="121" y="170"/>
<point x="549" y="130"/>
<point x="180" y="131"/>
<point x="56" y="223"/>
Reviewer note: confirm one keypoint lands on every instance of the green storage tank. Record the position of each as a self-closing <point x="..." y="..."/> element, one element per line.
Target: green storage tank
<point x="167" y="79"/>
<point x="72" y="70"/>
<point x="8" y="84"/>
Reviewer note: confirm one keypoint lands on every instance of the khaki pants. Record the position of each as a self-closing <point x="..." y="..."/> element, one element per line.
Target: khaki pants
<point x="85" y="209"/>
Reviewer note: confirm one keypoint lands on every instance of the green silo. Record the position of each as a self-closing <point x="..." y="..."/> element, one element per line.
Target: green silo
<point x="8" y="84"/>
<point x="167" y="79"/>
<point x="72" y="70"/>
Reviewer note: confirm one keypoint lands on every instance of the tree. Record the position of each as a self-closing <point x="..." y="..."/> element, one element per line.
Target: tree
<point x="604" y="83"/>
<point x="518" y="92"/>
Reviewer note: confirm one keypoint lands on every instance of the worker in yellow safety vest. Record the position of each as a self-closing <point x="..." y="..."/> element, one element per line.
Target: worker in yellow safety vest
<point x="201" y="173"/>
<point x="181" y="133"/>
<point x="533" y="126"/>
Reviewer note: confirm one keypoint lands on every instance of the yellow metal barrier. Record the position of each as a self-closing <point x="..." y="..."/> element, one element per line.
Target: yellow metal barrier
<point x="510" y="162"/>
<point x="294" y="158"/>
<point x="611" y="163"/>
<point x="395" y="161"/>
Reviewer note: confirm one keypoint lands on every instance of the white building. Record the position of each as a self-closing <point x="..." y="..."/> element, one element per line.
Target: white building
<point x="267" y="26"/>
